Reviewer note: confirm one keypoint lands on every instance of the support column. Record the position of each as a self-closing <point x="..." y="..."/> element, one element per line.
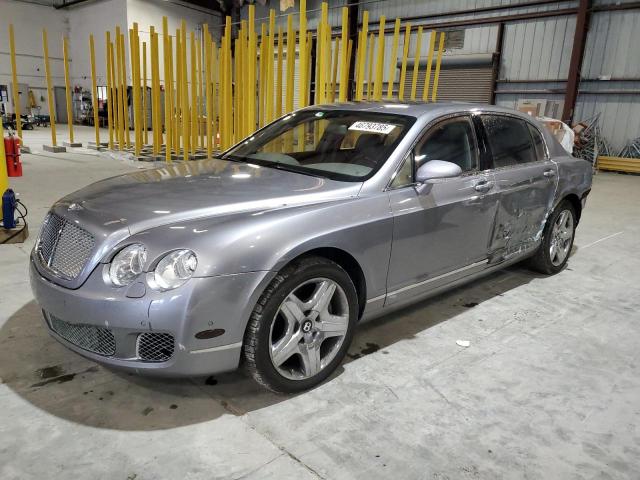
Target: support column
<point x="575" y="65"/>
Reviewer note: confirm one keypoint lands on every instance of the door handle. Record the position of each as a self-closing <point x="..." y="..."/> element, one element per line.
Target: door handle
<point x="549" y="173"/>
<point x="483" y="186"/>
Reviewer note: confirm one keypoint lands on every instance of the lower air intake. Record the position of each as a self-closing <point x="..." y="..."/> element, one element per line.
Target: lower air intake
<point x="155" y="347"/>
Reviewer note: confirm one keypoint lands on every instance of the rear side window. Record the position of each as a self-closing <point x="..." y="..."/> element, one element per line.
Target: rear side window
<point x="538" y="143"/>
<point x="509" y="140"/>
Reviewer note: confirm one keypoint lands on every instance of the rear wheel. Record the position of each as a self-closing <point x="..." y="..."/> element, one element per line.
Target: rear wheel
<point x="302" y="326"/>
<point x="557" y="240"/>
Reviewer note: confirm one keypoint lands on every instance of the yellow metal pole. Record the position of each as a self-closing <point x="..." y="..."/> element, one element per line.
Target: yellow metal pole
<point x="109" y="92"/>
<point x="125" y="92"/>
<point x="145" y="106"/>
<point x="228" y="111"/>
<point x="302" y="65"/>
<point x="405" y="55"/>
<point x="394" y="58"/>
<point x="372" y="47"/>
<point x="235" y="87"/>
<point x="155" y="93"/>
<point x="207" y="89"/>
<point x="436" y="75"/>
<point x="135" y="89"/>
<point x="279" y="74"/>
<point x="251" y="77"/>
<point x="185" y="91"/>
<point x="263" y="75"/>
<point x="4" y="176"/>
<point x="270" y="86"/>
<point x="427" y="74"/>
<point x="119" y="93"/>
<point x="172" y="99"/>
<point x="334" y="71"/>
<point x="215" y="93"/>
<point x="178" y="115"/>
<point x="199" y="97"/>
<point x="321" y="86"/>
<point x="94" y="90"/>
<point x="168" y="88"/>
<point x="14" y="83"/>
<point x="291" y="63"/>
<point x="377" y="89"/>
<point x="362" y="55"/>
<point x="194" y="94"/>
<point x="416" y="64"/>
<point x="344" y="59"/>
<point x="67" y="86"/>
<point x="51" y="102"/>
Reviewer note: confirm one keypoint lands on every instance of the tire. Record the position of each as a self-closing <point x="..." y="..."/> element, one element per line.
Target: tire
<point x="288" y="347"/>
<point x="550" y="261"/>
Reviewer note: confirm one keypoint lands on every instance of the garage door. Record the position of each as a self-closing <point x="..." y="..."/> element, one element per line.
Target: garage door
<point x="466" y="78"/>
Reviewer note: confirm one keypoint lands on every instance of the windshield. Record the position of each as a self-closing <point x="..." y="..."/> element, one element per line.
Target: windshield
<point x="341" y="145"/>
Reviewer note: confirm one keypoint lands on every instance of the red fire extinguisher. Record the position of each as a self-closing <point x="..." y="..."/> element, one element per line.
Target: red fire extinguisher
<point x="12" y="152"/>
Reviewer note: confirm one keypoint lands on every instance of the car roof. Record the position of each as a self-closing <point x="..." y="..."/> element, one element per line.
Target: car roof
<point x="416" y="109"/>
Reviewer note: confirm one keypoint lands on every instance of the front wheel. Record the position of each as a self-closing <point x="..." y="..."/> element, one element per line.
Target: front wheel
<point x="302" y="326"/>
<point x="558" y="235"/>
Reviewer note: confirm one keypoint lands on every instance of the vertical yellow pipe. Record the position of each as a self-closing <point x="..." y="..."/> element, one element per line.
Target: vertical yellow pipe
<point x="263" y="75"/>
<point x="172" y="100"/>
<point x="228" y="80"/>
<point x="155" y="94"/>
<point x="168" y="89"/>
<point x="235" y="87"/>
<point x="185" y="93"/>
<point x="215" y="86"/>
<point x="125" y="92"/>
<point x="377" y="89"/>
<point x="199" y="96"/>
<point x="405" y="55"/>
<point x="279" y="74"/>
<point x="207" y="88"/>
<point x="4" y="177"/>
<point x="94" y="89"/>
<point x="47" y="71"/>
<point x="145" y="107"/>
<point x="372" y="47"/>
<point x="14" y="82"/>
<point x="109" y="91"/>
<point x="416" y="64"/>
<point x="427" y="74"/>
<point x="334" y="70"/>
<point x="291" y="63"/>
<point x="344" y="59"/>
<point x="67" y="86"/>
<point x="270" y="57"/>
<point x="436" y="75"/>
<point x="118" y="86"/>
<point x="323" y="34"/>
<point x="178" y="120"/>
<point x="362" y="55"/>
<point x="135" y="88"/>
<point x="194" y="94"/>
<point x="393" y="66"/>
<point x="251" y="77"/>
<point x="241" y="79"/>
<point x="304" y="76"/>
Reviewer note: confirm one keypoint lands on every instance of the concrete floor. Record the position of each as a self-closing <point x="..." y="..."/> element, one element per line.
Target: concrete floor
<point x="548" y="389"/>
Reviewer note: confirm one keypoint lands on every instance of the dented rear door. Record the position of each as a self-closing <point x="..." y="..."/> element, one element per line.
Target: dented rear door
<point x="526" y="181"/>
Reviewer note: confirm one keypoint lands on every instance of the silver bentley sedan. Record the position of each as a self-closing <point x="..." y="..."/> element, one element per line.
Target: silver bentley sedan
<point x="270" y="254"/>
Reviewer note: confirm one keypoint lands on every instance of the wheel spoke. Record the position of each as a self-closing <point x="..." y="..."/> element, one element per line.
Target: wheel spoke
<point x="553" y="252"/>
<point x="292" y="309"/>
<point x="333" y="325"/>
<point x="310" y="359"/>
<point x="285" y="348"/>
<point x="322" y="297"/>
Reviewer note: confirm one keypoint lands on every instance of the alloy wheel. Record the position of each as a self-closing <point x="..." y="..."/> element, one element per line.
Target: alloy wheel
<point x="309" y="328"/>
<point x="561" y="236"/>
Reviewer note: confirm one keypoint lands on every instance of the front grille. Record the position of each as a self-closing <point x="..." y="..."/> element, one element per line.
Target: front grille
<point x="155" y="347"/>
<point x="89" y="337"/>
<point x="63" y="247"/>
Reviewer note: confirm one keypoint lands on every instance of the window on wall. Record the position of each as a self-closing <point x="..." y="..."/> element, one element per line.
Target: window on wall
<point x="509" y="140"/>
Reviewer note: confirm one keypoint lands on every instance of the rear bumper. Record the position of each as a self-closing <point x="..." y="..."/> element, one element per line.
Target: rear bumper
<point x="222" y="304"/>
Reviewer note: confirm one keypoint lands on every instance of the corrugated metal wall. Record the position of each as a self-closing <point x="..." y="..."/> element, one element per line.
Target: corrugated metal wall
<point x="535" y="52"/>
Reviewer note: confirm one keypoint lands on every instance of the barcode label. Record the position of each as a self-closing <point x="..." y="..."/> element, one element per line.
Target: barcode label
<point x="374" y="127"/>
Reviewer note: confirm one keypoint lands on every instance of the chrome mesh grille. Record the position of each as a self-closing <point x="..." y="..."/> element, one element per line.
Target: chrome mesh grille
<point x="155" y="347"/>
<point x="63" y="247"/>
<point x="89" y="337"/>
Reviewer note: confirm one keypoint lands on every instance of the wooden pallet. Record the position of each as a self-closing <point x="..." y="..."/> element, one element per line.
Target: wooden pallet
<point x="619" y="164"/>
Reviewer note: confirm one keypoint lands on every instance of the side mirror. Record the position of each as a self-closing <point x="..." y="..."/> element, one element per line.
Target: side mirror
<point x="437" y="169"/>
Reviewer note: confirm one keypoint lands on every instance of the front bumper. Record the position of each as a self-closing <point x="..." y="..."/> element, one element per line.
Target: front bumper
<point x="220" y="304"/>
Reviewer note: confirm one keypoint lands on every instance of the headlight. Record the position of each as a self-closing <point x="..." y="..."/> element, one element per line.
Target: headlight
<point x="127" y="264"/>
<point x="175" y="269"/>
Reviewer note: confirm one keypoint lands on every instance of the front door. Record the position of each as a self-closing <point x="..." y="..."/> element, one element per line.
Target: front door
<point x="525" y="181"/>
<point x="442" y="228"/>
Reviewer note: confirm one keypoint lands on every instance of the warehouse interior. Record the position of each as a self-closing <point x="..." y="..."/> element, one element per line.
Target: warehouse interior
<point x="514" y="375"/>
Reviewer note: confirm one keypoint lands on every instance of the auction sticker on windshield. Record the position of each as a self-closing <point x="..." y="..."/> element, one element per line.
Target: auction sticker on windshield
<point x="374" y="127"/>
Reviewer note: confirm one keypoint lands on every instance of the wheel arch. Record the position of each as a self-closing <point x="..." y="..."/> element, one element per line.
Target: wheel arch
<point x="575" y="202"/>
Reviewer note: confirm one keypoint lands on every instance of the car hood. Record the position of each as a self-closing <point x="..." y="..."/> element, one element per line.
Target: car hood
<point x="197" y="189"/>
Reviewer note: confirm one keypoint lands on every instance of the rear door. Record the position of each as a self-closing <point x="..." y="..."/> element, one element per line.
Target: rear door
<point x="525" y="181"/>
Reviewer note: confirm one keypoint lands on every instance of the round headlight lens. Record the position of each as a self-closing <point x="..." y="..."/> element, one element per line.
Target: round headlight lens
<point x="127" y="264"/>
<point x="175" y="269"/>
